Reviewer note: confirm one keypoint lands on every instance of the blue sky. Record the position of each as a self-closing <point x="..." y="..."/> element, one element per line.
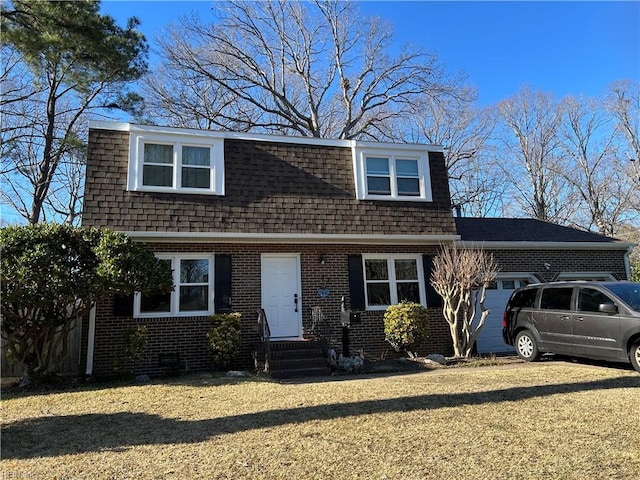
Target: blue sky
<point x="560" y="47"/>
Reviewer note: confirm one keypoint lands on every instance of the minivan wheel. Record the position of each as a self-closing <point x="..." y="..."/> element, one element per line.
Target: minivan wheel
<point x="527" y="347"/>
<point x="634" y="355"/>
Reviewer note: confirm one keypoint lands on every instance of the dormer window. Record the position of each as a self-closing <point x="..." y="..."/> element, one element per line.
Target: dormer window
<point x="182" y="164"/>
<point x="157" y="169"/>
<point x="391" y="175"/>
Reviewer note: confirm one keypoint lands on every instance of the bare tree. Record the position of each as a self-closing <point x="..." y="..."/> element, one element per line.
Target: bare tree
<point x="532" y="157"/>
<point x="461" y="278"/>
<point x="302" y="68"/>
<point x="606" y="193"/>
<point x="464" y="131"/>
<point x="623" y="101"/>
<point x="42" y="170"/>
<point x="61" y="60"/>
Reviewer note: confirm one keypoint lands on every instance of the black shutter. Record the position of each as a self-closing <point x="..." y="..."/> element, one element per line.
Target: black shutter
<point x="222" y="285"/>
<point x="356" y="282"/>
<point x="433" y="299"/>
<point x="123" y="305"/>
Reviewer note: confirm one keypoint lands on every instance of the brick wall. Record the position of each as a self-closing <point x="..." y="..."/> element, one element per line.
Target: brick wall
<point x="561" y="261"/>
<point x="187" y="335"/>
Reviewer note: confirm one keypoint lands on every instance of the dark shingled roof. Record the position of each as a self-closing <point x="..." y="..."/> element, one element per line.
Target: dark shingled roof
<point x="521" y="230"/>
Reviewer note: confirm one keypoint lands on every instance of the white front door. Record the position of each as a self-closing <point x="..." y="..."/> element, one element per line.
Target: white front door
<point x="281" y="296"/>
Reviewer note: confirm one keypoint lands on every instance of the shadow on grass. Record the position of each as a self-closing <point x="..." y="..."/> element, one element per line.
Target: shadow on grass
<point x="73" y="434"/>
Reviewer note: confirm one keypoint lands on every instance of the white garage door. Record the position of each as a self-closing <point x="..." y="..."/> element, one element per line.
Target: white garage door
<point x="490" y="338"/>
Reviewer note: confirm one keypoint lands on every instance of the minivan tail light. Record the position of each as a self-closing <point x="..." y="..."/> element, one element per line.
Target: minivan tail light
<point x="504" y="319"/>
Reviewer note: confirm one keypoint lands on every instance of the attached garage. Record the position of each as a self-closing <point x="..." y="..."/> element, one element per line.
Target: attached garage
<point x="490" y="338"/>
<point x="545" y="252"/>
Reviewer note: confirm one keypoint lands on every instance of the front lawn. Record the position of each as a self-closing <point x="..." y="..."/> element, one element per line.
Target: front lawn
<point x="547" y="420"/>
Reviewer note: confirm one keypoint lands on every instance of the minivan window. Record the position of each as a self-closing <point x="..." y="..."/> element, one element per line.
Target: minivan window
<point x="524" y="298"/>
<point x="556" y="298"/>
<point x="590" y="299"/>
<point x="628" y="292"/>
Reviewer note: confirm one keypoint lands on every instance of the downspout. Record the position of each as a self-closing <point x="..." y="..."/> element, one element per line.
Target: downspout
<point x="627" y="262"/>
<point x="90" y="340"/>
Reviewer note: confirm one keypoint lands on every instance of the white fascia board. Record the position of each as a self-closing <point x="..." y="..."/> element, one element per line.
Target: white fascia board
<point x="108" y="125"/>
<point x="395" y="147"/>
<point x="261" y="137"/>
<point x="308" y="238"/>
<point x="544" y="245"/>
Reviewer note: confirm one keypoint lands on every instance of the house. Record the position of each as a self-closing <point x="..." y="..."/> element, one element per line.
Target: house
<point x="295" y="226"/>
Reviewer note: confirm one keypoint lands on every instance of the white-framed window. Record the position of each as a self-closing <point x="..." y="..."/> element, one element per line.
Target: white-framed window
<point x="170" y="163"/>
<point x="389" y="279"/>
<point x="392" y="175"/>
<point x="193" y="288"/>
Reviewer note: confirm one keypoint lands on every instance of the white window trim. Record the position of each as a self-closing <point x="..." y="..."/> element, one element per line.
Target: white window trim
<point x="175" y="294"/>
<point x="424" y="175"/>
<point x="515" y="276"/>
<point x="392" y="282"/>
<point x="568" y="276"/>
<point x="136" y="160"/>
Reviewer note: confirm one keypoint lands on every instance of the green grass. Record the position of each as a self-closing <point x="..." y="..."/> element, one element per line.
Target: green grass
<point x="519" y="421"/>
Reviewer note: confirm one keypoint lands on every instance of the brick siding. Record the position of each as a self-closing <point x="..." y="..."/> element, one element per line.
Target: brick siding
<point x="561" y="261"/>
<point x="187" y="335"/>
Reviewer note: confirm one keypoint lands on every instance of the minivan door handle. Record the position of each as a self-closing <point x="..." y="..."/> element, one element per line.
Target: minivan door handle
<point x="580" y="319"/>
<point x="564" y="317"/>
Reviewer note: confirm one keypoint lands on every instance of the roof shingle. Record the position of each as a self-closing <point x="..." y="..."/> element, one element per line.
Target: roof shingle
<point x="521" y="230"/>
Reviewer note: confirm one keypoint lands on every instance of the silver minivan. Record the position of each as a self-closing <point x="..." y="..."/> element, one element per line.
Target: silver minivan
<point x="597" y="320"/>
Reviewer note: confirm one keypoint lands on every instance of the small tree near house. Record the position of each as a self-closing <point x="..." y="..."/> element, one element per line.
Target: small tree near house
<point x="51" y="275"/>
<point x="461" y="278"/>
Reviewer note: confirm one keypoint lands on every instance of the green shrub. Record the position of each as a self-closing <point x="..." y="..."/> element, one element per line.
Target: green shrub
<point x="224" y="338"/>
<point x="405" y="324"/>
<point x="135" y="344"/>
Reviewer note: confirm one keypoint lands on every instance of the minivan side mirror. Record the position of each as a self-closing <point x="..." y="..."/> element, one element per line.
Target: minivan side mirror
<point x="608" y="308"/>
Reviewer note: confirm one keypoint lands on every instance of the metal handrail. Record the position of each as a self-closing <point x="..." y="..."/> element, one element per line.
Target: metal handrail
<point x="265" y="336"/>
<point x="321" y="327"/>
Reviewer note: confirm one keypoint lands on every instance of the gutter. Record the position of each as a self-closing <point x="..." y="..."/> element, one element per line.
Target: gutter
<point x="627" y="261"/>
<point x="546" y="245"/>
<point x="289" y="238"/>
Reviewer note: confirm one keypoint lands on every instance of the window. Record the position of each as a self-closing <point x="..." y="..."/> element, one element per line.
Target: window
<point x="524" y="299"/>
<point x="193" y="289"/>
<point x="628" y="293"/>
<point x="196" y="163"/>
<point x="378" y="176"/>
<point x="556" y="298"/>
<point x="391" y="279"/>
<point x="157" y="167"/>
<point x="182" y="164"/>
<point x="393" y="175"/>
<point x="589" y="300"/>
